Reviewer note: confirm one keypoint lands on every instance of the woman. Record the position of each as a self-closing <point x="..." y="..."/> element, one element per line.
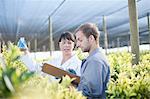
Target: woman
<point x="68" y="61"/>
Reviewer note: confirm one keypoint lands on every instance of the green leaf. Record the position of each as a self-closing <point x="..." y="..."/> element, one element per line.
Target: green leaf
<point x="25" y="76"/>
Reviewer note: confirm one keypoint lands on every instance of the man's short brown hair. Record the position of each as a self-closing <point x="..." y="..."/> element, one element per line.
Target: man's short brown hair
<point x="89" y="29"/>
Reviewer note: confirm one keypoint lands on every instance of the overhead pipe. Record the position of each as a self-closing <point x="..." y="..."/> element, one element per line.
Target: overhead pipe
<point x="55" y="10"/>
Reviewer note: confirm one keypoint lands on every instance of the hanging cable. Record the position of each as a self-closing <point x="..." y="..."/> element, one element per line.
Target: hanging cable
<point x="57" y="8"/>
<point x="54" y="11"/>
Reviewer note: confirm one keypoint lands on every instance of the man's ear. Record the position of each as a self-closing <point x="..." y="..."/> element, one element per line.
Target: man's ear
<point x="91" y="38"/>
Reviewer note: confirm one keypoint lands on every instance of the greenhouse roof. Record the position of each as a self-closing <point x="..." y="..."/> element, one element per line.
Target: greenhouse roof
<point x="30" y="17"/>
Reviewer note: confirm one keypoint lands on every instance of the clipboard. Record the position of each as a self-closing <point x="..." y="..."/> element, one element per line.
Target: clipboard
<point x="57" y="72"/>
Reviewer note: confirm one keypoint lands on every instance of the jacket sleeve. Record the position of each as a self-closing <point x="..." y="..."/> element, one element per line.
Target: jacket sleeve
<point x="92" y="80"/>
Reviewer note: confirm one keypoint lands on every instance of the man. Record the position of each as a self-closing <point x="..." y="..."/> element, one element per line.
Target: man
<point x="95" y="70"/>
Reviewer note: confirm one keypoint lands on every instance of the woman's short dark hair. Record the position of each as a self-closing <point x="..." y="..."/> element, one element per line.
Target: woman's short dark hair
<point x="67" y="36"/>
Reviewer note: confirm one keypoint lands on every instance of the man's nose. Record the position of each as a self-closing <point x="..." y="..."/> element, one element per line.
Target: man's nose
<point x="77" y="44"/>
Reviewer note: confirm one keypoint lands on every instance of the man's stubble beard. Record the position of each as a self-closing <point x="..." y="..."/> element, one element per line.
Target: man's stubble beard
<point x="86" y="49"/>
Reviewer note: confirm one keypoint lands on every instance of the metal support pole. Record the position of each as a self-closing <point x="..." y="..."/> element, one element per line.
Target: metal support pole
<point x="118" y="42"/>
<point x="128" y="42"/>
<point x="134" y="31"/>
<point x="29" y="45"/>
<point x="0" y="46"/>
<point x="35" y="43"/>
<point x="44" y="48"/>
<point x="113" y="44"/>
<point x="105" y="34"/>
<point x="50" y="36"/>
<point x="148" y="22"/>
